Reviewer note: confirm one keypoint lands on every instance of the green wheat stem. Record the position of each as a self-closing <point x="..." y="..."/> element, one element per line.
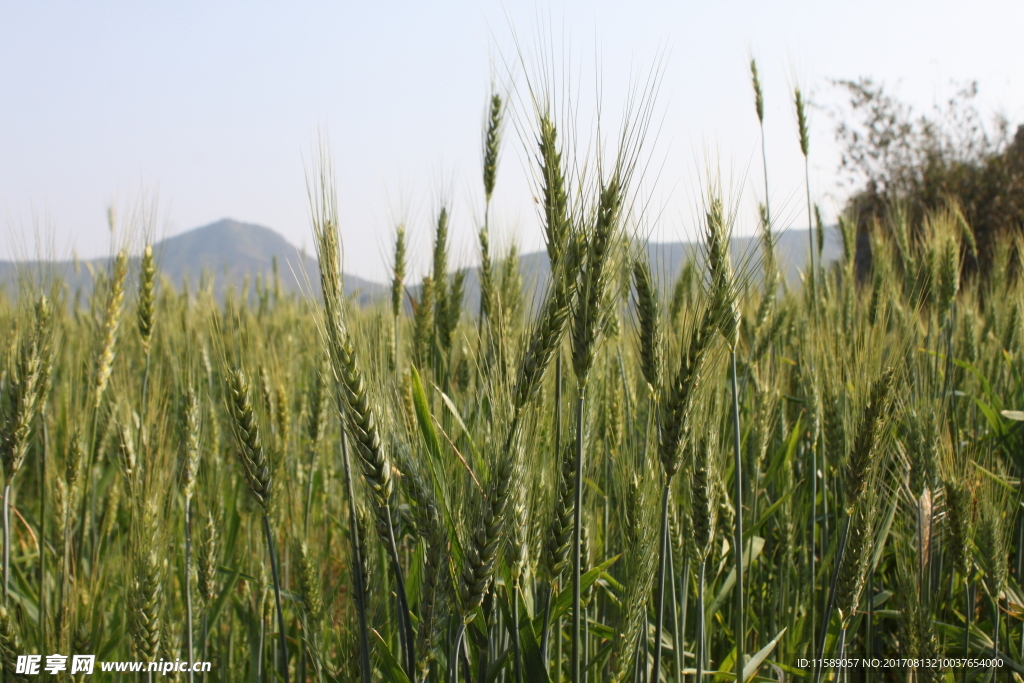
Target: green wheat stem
<point x="7" y="538"/>
<point x="659" y="610"/>
<point x="701" y="628"/>
<point x="826" y="616"/>
<point x="188" y="582"/>
<point x="677" y="639"/>
<point x="282" y="640"/>
<point x="44" y="438"/>
<point x="309" y="487"/>
<point x="456" y="648"/>
<point x="812" y="558"/>
<point x="684" y="608"/>
<point x="740" y="630"/>
<point x="517" y="652"/>
<point x="577" y="523"/>
<point x="403" y="600"/>
<point x="546" y="627"/>
<point x="358" y="580"/>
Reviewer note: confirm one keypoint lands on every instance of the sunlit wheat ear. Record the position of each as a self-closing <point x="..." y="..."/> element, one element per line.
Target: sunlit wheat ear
<point x="111" y="505"/>
<point x="556" y="551"/>
<point x="73" y="465"/>
<point x="676" y="405"/>
<point x="723" y="285"/>
<point x="434" y="579"/>
<point x="206" y="561"/>
<point x="518" y="545"/>
<point x="482" y="552"/>
<point x="362" y="423"/>
<point x="949" y="276"/>
<point x="397" y="287"/>
<point x="856" y="560"/>
<point x="704" y="497"/>
<point x="45" y="333"/>
<point x="20" y="404"/>
<point x="365" y="522"/>
<point x="319" y="400"/>
<point x="649" y="316"/>
<point x="486" y="275"/>
<point x="267" y="395"/>
<point x="593" y="280"/>
<point x="309" y="583"/>
<point x="491" y="144"/>
<point x="801" y="121"/>
<point x="556" y="205"/>
<point x="992" y="545"/>
<point x="959" y="518"/>
<point x="423" y="323"/>
<point x="62" y="507"/>
<point x="282" y="417"/>
<point x="543" y="342"/>
<point x="758" y="93"/>
<point x="147" y="298"/>
<point x="190" y="443"/>
<point x="126" y="452"/>
<point x="440" y="277"/>
<point x="10" y="646"/>
<point x="109" y="327"/>
<point x="146" y="587"/>
<point x="251" y="457"/>
<point x="862" y="459"/>
<point x="398" y="272"/>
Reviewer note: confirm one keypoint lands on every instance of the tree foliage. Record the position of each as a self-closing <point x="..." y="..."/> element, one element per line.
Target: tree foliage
<point x="893" y="156"/>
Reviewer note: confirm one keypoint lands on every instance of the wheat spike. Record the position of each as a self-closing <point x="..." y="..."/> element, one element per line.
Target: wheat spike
<point x="861" y="461"/>
<point x="254" y="462"/>
<point x="147" y="298"/>
<point x="309" y="583"/>
<point x="649" y="314"/>
<point x="111" y="322"/>
<point x="491" y="142"/>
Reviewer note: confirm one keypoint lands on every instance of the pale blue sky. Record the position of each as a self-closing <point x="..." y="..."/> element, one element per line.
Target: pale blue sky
<point x="214" y="107"/>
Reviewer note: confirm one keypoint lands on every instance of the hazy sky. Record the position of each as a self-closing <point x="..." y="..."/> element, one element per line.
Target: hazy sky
<point x="213" y="108"/>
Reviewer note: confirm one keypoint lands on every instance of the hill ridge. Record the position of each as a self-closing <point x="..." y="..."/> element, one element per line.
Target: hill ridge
<point x="229" y="251"/>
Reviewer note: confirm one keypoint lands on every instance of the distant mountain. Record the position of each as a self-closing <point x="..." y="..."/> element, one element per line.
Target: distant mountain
<point x="230" y="250"/>
<point x="227" y="251"/>
<point x="667" y="259"/>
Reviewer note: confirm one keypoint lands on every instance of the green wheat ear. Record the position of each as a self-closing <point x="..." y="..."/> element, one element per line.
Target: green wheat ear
<point x="856" y="560"/>
<point x="206" y="561"/>
<point x="649" y="314"/>
<point x="491" y="142"/>
<point x="862" y="458"/>
<point x="801" y="120"/>
<point x="309" y="583"/>
<point x="147" y="298"/>
<point x="398" y="283"/>
<point x="959" y="510"/>
<point x="254" y="462"/>
<point x="556" y="205"/>
<point x="111" y="323"/>
<point x="10" y="646"/>
<point x="20" y="403"/>
<point x="758" y="94"/>
<point x="190" y="443"/>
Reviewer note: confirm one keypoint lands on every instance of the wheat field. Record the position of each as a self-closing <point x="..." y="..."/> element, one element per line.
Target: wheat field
<point x="615" y="481"/>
